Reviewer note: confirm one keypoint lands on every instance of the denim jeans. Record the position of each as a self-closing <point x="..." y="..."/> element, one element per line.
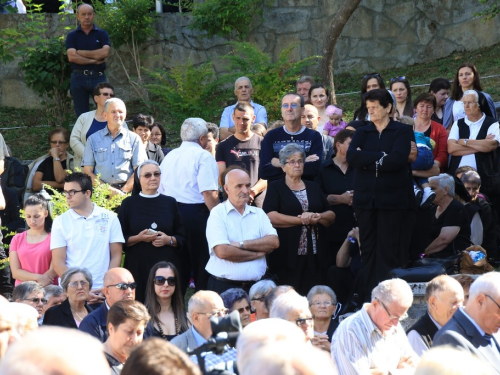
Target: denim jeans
<point x="425" y="160"/>
<point x="81" y="87"/>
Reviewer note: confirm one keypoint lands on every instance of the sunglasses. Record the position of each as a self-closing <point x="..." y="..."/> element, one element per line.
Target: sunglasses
<point x="37" y="300"/>
<point x="124" y="286"/>
<point x="241" y="310"/>
<point x="160" y="280"/>
<point x="107" y="94"/>
<point x="371" y="75"/>
<point x="149" y="174"/>
<point x="397" y="79"/>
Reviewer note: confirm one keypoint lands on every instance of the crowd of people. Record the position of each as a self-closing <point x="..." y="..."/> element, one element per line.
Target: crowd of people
<point x="287" y="232"/>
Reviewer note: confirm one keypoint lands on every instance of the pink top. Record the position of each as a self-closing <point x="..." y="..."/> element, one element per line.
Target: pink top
<point x="332" y="129"/>
<point x="33" y="257"/>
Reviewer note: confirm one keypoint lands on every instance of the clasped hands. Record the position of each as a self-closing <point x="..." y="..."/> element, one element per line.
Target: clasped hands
<point x="309" y="218"/>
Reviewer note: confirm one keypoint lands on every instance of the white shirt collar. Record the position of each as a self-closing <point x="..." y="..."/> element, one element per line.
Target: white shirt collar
<point x="478" y="122"/>
<point x="248" y="209"/>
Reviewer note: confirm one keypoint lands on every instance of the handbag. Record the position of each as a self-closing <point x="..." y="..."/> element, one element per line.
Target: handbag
<point x="421" y="274"/>
<point x="450" y="264"/>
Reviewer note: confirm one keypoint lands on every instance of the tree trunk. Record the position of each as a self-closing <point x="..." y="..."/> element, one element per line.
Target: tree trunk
<point x="325" y="68"/>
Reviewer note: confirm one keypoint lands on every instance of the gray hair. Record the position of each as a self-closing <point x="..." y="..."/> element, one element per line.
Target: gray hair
<point x="23" y="290"/>
<point x="261" y="288"/>
<point x="274" y="293"/>
<point x="289" y="150"/>
<point x="66" y="276"/>
<point x="304" y="79"/>
<point x="233" y="295"/>
<point x="488" y="283"/>
<point x="286" y="303"/>
<point x="53" y="291"/>
<point x="393" y="290"/>
<point x="444" y="180"/>
<point x="472" y="92"/>
<point x="214" y="129"/>
<point x="193" y="128"/>
<point x="200" y="299"/>
<point x="111" y="101"/>
<point x="471" y="177"/>
<point x="321" y="289"/>
<point x="440" y="284"/>
<point x="149" y="161"/>
<point x="232" y="171"/>
<point x="240" y="79"/>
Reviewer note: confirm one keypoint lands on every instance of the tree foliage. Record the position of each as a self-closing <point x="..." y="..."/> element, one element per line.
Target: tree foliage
<point x="491" y="11"/>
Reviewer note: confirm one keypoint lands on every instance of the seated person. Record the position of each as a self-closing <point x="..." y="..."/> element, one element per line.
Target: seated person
<point x="30" y="293"/>
<point x="258" y="293"/>
<point x="53" y="169"/>
<point x="237" y="299"/>
<point x="323" y="305"/>
<point x="294" y="308"/>
<point x="54" y="294"/>
<point x="450" y="226"/>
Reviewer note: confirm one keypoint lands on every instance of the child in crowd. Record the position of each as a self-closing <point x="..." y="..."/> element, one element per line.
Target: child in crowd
<point x="425" y="161"/>
<point x="335" y="124"/>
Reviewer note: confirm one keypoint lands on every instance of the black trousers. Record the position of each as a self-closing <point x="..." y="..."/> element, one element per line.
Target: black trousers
<point x="195" y="259"/>
<point x="385" y="237"/>
<point x="220" y="286"/>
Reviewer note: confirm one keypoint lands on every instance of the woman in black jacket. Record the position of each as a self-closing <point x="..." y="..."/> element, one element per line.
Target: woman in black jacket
<point x="383" y="198"/>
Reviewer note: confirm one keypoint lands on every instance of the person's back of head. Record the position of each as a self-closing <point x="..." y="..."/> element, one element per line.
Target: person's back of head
<point x="285" y="303"/>
<point x="445" y="360"/>
<point x="274" y="293"/>
<point x="27" y="317"/>
<point x="158" y="357"/>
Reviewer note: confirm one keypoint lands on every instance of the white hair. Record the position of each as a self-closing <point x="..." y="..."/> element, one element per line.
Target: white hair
<point x="489" y="283"/>
<point x="446" y="360"/>
<point x="241" y="79"/>
<point x="471" y="92"/>
<point x="445" y="180"/>
<point x="193" y="128"/>
<point x="27" y="317"/>
<point x="113" y="101"/>
<point x="286" y="303"/>
<point x="261" y="287"/>
<point x="393" y="290"/>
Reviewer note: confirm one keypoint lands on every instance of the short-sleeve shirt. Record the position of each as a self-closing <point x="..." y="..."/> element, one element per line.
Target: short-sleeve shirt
<point x="114" y="158"/>
<point x="87" y="240"/>
<point x="226" y="120"/>
<point x="94" y="40"/>
<point x="232" y="151"/>
<point x="47" y="168"/>
<point x="226" y="224"/>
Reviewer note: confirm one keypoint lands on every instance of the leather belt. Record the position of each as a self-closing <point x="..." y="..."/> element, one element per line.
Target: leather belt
<point x="87" y="72"/>
<point x="242" y="283"/>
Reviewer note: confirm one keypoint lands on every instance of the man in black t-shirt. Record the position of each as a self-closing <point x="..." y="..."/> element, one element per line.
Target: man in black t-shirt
<point x="242" y="149"/>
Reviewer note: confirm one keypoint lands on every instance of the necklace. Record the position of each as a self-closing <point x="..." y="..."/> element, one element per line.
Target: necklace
<point x="160" y="329"/>
<point x="78" y="316"/>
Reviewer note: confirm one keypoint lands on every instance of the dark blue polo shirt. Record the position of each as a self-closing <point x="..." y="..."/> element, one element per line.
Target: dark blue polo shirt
<point x="95" y="39"/>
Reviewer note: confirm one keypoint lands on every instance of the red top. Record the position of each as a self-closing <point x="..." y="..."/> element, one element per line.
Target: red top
<point x="440" y="136"/>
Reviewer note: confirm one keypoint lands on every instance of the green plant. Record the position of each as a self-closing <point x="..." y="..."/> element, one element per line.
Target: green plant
<point x="270" y="80"/>
<point x="226" y="17"/>
<point x="129" y="24"/>
<point x="491" y="11"/>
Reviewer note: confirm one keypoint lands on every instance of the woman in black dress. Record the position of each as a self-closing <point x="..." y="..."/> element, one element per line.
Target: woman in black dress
<point x="299" y="211"/>
<point x="151" y="225"/>
<point x="165" y="303"/>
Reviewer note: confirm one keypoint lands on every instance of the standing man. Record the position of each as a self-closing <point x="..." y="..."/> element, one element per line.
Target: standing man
<point x="243" y="149"/>
<point x="239" y="237"/>
<point x="189" y="174"/>
<point x="86" y="235"/>
<point x="243" y="90"/>
<point x="114" y="151"/>
<point x="310" y="119"/>
<point x="87" y="48"/>
<point x="292" y="106"/>
<point x="304" y="84"/>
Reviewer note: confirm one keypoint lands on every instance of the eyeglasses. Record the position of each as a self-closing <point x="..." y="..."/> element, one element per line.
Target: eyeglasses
<point x="149" y="174"/>
<point x="301" y="321"/>
<point x="371" y="75"/>
<point x="58" y="142"/>
<point x="319" y="303"/>
<point x="36" y="300"/>
<point x="295" y="162"/>
<point x="293" y="106"/>
<point x="218" y="313"/>
<point x="71" y="192"/>
<point x="75" y="284"/>
<point x="395" y="79"/>
<point x="107" y="94"/>
<point x="495" y="302"/>
<point x="160" y="280"/>
<point x="241" y="310"/>
<point x="124" y="286"/>
<point x="466" y="104"/>
<point x="392" y="317"/>
<point x="261" y="299"/>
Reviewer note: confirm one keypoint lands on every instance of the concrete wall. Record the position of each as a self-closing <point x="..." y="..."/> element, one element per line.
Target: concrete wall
<point x="380" y="34"/>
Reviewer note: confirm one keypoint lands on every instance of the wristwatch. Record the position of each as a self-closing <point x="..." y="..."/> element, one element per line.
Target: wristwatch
<point x="171" y="240"/>
<point x="241" y="244"/>
<point x="465" y="142"/>
<point x="57" y="159"/>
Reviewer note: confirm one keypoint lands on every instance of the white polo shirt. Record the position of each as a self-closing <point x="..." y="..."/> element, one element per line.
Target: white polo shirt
<point x="87" y="240"/>
<point x="226" y="224"/>
<point x="188" y="171"/>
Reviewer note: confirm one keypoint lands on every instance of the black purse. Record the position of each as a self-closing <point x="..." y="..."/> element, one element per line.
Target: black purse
<point x="450" y="264"/>
<point x="422" y="274"/>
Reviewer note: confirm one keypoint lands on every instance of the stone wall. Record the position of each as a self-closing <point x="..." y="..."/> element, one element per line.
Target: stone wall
<point x="380" y="34"/>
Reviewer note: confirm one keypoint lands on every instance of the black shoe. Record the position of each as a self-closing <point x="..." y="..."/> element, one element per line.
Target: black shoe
<point x="427" y="201"/>
<point x="418" y="196"/>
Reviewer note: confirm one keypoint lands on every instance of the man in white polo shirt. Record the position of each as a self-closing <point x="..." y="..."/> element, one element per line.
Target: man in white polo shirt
<point x="239" y="237"/>
<point x="86" y="235"/>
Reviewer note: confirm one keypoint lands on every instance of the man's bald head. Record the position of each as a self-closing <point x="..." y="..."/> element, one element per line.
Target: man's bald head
<point x="112" y="280"/>
<point x="310" y="117"/>
<point x="84" y="7"/>
<point x="202" y="299"/>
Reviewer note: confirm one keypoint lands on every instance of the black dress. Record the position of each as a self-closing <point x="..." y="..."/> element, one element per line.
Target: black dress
<point x="160" y="213"/>
<point x="61" y="315"/>
<point x="300" y="271"/>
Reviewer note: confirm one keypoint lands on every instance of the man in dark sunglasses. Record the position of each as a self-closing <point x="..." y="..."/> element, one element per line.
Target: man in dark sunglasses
<point x="30" y="293"/>
<point x="119" y="285"/>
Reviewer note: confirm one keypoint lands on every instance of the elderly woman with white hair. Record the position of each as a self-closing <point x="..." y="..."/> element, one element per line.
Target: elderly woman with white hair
<point x="258" y="293"/>
<point x="450" y="225"/>
<point x="151" y="225"/>
<point x="323" y="305"/>
<point x="299" y="211"/>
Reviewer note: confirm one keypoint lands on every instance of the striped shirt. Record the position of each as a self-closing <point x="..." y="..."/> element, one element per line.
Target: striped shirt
<point x="358" y="346"/>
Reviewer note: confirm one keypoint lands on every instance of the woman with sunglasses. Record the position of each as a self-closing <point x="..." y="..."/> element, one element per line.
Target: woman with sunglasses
<point x="52" y="170"/>
<point x="371" y="81"/>
<point x="151" y="225"/>
<point x="401" y="89"/>
<point x="90" y="122"/>
<point x="237" y="299"/>
<point x="165" y="303"/>
<point x="76" y="283"/>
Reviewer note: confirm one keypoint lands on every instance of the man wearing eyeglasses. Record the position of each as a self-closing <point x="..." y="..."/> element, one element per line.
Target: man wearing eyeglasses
<point x="119" y="285"/>
<point x="30" y="293"/>
<point x="475" y="326"/>
<point x="294" y="308"/>
<point x="292" y="107"/>
<point x="372" y="341"/>
<point x="86" y="235"/>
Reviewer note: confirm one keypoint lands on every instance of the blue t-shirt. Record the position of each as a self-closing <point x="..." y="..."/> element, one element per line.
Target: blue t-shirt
<point x="95" y="127"/>
<point x="92" y="41"/>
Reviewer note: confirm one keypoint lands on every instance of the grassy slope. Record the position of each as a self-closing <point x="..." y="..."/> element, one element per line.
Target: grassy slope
<point x="31" y="143"/>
